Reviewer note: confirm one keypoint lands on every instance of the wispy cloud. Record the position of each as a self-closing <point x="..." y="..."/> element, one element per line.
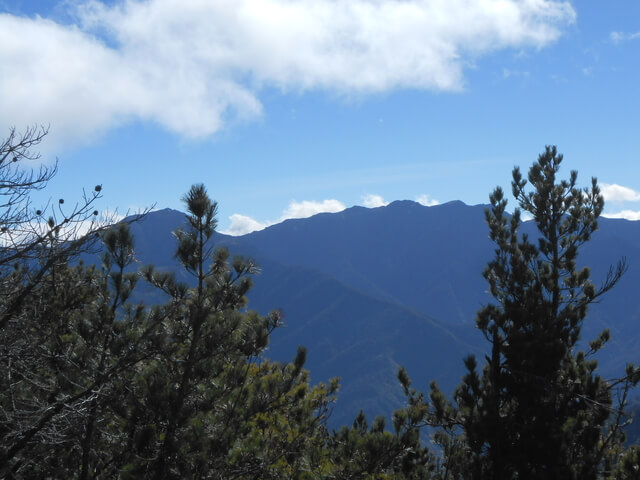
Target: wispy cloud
<point x="506" y="73"/>
<point x="242" y="224"/>
<point x="426" y="200"/>
<point x="191" y="65"/>
<point x="612" y="192"/>
<point x="373" y="201"/>
<point x="619" y="37"/>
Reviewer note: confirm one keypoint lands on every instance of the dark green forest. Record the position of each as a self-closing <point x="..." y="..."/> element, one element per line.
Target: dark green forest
<point x="97" y="385"/>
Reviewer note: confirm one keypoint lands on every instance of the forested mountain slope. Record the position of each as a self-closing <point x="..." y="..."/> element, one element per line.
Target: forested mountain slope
<point x="368" y="290"/>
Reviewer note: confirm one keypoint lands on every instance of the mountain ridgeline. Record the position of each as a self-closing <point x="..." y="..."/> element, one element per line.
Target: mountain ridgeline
<point x="369" y="290"/>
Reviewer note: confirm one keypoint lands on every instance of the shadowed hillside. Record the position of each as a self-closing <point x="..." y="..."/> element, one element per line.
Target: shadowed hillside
<point x="368" y="290"/>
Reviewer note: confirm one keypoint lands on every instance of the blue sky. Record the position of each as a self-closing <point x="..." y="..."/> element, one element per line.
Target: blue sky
<point x="284" y="108"/>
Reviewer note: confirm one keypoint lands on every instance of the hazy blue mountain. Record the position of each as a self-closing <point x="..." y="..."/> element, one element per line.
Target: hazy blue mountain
<point x="357" y="337"/>
<point x="429" y="259"/>
<point x="367" y="290"/>
<point x="349" y="333"/>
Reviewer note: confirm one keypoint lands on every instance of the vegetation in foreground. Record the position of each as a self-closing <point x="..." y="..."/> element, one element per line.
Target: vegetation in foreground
<point x="93" y="385"/>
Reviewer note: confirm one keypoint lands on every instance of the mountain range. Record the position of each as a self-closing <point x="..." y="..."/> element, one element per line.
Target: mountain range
<point x="367" y="290"/>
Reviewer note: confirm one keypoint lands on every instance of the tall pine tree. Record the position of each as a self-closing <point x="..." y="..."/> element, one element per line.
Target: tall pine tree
<point x="207" y="405"/>
<point x="538" y="410"/>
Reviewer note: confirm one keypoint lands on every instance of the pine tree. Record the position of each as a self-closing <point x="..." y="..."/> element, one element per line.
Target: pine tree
<point x="207" y="404"/>
<point x="538" y="410"/>
<point x="76" y="348"/>
<point x="372" y="452"/>
<point x="34" y="240"/>
<point x="46" y="378"/>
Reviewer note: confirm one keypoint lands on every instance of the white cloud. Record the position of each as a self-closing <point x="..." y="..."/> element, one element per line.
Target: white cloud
<point x="526" y="216"/>
<point x="426" y="200"/>
<point x="373" y="201"/>
<point x="242" y="224"/>
<point x="308" y="208"/>
<point x="191" y="65"/>
<point x="626" y="214"/>
<point x="619" y="37"/>
<point x="613" y="192"/>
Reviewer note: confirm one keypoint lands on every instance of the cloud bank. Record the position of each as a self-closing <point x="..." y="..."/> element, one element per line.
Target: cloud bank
<point x="612" y="192"/>
<point x="193" y="65"/>
<point x="242" y="224"/>
<point x="619" y="194"/>
<point x="373" y="201"/>
<point x="427" y="201"/>
<point x="308" y="208"/>
<point x="626" y="214"/>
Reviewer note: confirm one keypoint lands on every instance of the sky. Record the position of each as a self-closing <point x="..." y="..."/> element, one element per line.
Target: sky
<point x="287" y="108"/>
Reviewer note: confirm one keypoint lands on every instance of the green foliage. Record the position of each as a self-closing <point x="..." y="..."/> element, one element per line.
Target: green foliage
<point x="628" y="465"/>
<point x="205" y="403"/>
<point x="538" y="409"/>
<point x="60" y="352"/>
<point x="66" y="362"/>
<point x="363" y="452"/>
